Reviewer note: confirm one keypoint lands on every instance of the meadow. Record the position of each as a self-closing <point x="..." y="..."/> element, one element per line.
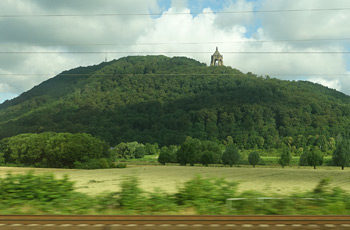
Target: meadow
<point x="269" y="180"/>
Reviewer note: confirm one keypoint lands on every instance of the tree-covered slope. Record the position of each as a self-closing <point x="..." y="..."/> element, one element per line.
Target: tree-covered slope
<point x="163" y="100"/>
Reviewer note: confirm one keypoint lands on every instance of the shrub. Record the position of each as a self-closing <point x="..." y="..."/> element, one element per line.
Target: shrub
<point x="199" y="193"/>
<point x="131" y="197"/>
<point x="159" y="201"/>
<point x="43" y="188"/>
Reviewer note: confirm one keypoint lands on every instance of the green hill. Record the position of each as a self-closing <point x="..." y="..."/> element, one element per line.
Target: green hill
<point x="161" y="99"/>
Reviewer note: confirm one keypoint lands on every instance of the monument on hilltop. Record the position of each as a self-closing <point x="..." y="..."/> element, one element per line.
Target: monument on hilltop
<point x="217" y="59"/>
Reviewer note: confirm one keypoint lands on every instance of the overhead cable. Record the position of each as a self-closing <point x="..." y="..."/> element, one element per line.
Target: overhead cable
<point x="172" y="13"/>
<point x="170" y="43"/>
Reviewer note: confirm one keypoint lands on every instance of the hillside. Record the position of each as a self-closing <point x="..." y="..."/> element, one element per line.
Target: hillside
<point x="160" y="99"/>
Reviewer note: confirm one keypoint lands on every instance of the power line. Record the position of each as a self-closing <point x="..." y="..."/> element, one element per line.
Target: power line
<point x="173" y="52"/>
<point x="172" y="13"/>
<point x="174" y="43"/>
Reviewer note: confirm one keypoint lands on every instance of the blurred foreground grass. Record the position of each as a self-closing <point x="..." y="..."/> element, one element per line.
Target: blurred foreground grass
<point x="45" y="194"/>
<point x="273" y="180"/>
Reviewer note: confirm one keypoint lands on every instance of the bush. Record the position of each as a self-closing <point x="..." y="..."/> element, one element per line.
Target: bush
<point x="199" y="193"/>
<point x="159" y="201"/>
<point x="43" y="188"/>
<point x="131" y="197"/>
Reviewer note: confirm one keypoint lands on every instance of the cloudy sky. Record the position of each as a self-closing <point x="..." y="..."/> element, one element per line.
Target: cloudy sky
<point x="286" y="39"/>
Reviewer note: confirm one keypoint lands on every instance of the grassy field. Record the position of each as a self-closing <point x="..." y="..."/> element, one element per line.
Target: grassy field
<point x="168" y="178"/>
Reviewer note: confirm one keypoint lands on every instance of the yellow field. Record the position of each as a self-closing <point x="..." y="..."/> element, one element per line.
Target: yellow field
<point x="168" y="178"/>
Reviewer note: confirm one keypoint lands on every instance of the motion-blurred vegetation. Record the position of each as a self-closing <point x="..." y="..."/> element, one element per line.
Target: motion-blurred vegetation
<point x="44" y="194"/>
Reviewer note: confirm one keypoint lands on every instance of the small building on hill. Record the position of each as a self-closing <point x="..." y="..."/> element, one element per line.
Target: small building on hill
<point x="217" y="59"/>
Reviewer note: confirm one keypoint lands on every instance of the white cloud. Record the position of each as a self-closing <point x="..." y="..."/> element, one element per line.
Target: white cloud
<point x="207" y="27"/>
<point x="333" y="84"/>
<point x="186" y="28"/>
<point x="227" y="20"/>
<point x="306" y="25"/>
<point x="66" y="31"/>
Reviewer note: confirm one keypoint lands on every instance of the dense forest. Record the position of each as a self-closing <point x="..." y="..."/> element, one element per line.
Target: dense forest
<point x="157" y="99"/>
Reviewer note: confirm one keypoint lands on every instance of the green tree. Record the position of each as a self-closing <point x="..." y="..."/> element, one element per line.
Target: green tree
<point x="341" y="155"/>
<point x="140" y="152"/>
<point x="129" y="150"/>
<point x="215" y="150"/>
<point x="303" y="158"/>
<point x="254" y="158"/>
<point x="207" y="158"/>
<point x="285" y="157"/>
<point x="151" y="149"/>
<point x="55" y="150"/>
<point x="231" y="155"/>
<point x="315" y="157"/>
<point x="190" y="152"/>
<point x="168" y="154"/>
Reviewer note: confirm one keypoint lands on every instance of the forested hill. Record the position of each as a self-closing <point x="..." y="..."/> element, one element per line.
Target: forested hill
<point x="158" y="99"/>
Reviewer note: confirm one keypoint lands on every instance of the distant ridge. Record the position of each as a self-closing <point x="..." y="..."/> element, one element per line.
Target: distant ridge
<point x="162" y="100"/>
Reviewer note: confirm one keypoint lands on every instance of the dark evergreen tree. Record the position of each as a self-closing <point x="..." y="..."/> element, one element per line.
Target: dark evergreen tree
<point x="254" y="158"/>
<point x="286" y="156"/>
<point x="341" y="155"/>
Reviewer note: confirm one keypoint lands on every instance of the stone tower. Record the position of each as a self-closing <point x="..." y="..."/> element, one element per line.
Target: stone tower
<point x="217" y="59"/>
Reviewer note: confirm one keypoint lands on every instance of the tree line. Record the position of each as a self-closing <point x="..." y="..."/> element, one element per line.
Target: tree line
<point x="194" y="151"/>
<point x="66" y="150"/>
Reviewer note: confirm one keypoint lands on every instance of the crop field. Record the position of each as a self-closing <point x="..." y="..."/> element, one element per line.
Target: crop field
<point x="169" y="178"/>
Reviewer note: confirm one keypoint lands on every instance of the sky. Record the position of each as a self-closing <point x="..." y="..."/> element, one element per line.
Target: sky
<point x="285" y="39"/>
